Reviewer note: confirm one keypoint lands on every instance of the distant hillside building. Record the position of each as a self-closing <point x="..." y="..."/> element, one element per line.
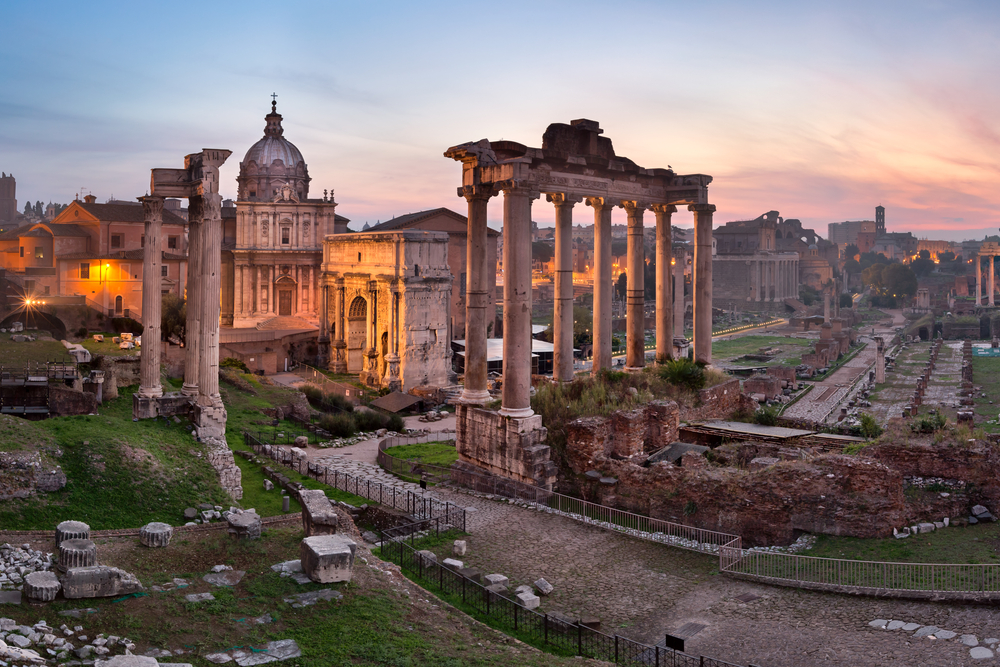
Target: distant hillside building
<point x="861" y="233"/>
<point x="748" y="270"/>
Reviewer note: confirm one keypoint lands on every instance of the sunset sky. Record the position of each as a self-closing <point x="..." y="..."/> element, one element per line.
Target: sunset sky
<point x="818" y="110"/>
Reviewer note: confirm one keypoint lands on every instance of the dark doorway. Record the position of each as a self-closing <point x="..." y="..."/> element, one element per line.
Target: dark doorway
<point x="285" y="302"/>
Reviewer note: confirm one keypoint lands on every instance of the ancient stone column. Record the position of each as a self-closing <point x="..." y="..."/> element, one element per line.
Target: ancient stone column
<point x="562" y="321"/>
<point x="517" y="300"/>
<point x="478" y="300"/>
<point x="392" y="379"/>
<point x="664" y="301"/>
<point x="210" y="284"/>
<point x="702" y="281"/>
<point x="679" y="305"/>
<point x="152" y="258"/>
<point x="755" y="276"/>
<point x="979" y="280"/>
<point x="879" y="360"/>
<point x="338" y="362"/>
<point x="602" y="282"/>
<point x="992" y="284"/>
<point x="635" y="332"/>
<point x="195" y="288"/>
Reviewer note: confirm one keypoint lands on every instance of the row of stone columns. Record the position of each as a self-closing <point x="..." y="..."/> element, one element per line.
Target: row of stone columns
<point x="991" y="287"/>
<point x="517" y="289"/>
<point x="201" y="364"/>
<point x="774" y="279"/>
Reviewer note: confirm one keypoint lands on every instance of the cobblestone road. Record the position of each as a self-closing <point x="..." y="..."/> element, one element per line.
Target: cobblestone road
<point x="643" y="590"/>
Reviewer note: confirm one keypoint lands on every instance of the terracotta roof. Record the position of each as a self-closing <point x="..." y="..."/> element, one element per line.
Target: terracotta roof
<point x="135" y="254"/>
<point x="42" y="229"/>
<point x="410" y="219"/>
<point x="125" y="213"/>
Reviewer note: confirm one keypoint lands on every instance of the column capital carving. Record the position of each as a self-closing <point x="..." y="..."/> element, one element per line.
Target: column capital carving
<point x="152" y="208"/>
<point x="633" y="206"/>
<point x="600" y="203"/>
<point x="702" y="208"/>
<point x="196" y="208"/>
<point x="560" y="199"/>
<point x="664" y="208"/>
<point x="482" y="191"/>
<point x="517" y="188"/>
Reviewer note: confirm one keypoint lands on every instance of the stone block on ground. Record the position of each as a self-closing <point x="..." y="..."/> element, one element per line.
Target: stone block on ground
<point x="244" y="526"/>
<point x="327" y="558"/>
<point x="459" y="548"/>
<point x="544" y="587"/>
<point x="528" y="600"/>
<point x="472" y="573"/>
<point x="10" y="597"/>
<point x="453" y="564"/>
<point x="492" y="579"/>
<point x="156" y="534"/>
<point x="318" y="515"/>
<point x="127" y="661"/>
<point x="199" y="597"/>
<point x="980" y="511"/>
<point x="77" y="553"/>
<point x="980" y="653"/>
<point x="72" y="530"/>
<point x="878" y="623"/>
<point x="427" y="558"/>
<point x="98" y="581"/>
<point x="227" y="578"/>
<point x="895" y="625"/>
<point x="925" y="527"/>
<point x="41" y="586"/>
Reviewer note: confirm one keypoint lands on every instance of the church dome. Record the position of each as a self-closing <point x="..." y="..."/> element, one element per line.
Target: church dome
<point x="273" y="166"/>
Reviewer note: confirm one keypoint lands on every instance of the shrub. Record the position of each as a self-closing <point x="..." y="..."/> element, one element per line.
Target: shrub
<point x="82" y="332"/>
<point x="395" y="423"/>
<point x="928" y="423"/>
<point x="326" y="401"/>
<point x="869" y="427"/>
<point x="766" y="416"/>
<point x="233" y="362"/>
<point x="339" y="426"/>
<point x="684" y="373"/>
<point x="369" y="420"/>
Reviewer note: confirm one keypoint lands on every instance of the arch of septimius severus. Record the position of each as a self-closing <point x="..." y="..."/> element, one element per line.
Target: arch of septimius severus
<point x="575" y="164"/>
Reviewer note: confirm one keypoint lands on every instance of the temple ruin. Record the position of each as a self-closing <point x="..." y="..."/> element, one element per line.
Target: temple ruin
<point x="575" y="164"/>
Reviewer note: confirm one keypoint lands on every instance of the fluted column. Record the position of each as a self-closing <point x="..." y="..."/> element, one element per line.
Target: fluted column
<point x="562" y="321"/>
<point x="195" y="288"/>
<point x="755" y="278"/>
<point x="679" y="305"/>
<point x="664" y="300"/>
<point x="478" y="300"/>
<point x="211" y="283"/>
<point x="392" y="379"/>
<point x="979" y="280"/>
<point x="152" y="258"/>
<point x="517" y="300"/>
<point x="992" y="284"/>
<point x="702" y="281"/>
<point x="602" y="282"/>
<point x="338" y="359"/>
<point x="635" y="332"/>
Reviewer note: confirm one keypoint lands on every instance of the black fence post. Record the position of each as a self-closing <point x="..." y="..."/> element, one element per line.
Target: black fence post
<point x="616" y="649"/>
<point x="657" y="656"/>
<point x="546" y="624"/>
<point x="579" y="638"/>
<point x="463" y="589"/>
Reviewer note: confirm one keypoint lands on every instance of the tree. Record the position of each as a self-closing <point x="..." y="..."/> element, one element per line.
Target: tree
<point x="899" y="280"/>
<point x="869" y="258"/>
<point x="852" y="251"/>
<point x="946" y="257"/>
<point x="39" y="211"/>
<point x="923" y="266"/>
<point x="924" y="254"/>
<point x="852" y="266"/>
<point x="872" y="277"/>
<point x="846" y="301"/>
<point x="27" y="208"/>
<point x="621" y="289"/>
<point x="173" y="316"/>
<point x="583" y="320"/>
<point x="541" y="251"/>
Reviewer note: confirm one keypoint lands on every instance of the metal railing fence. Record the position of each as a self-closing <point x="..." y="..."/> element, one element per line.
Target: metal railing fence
<point x="556" y="632"/>
<point x="418" y="505"/>
<point x="320" y="379"/>
<point x="426" y="472"/>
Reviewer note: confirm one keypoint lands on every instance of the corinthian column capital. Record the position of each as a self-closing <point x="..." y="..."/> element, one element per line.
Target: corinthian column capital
<point x="152" y="208"/>
<point x="600" y="203"/>
<point x="560" y="199"/>
<point x="517" y="188"/>
<point x="481" y="191"/>
<point x="702" y="208"/>
<point x="664" y="208"/>
<point x="633" y="206"/>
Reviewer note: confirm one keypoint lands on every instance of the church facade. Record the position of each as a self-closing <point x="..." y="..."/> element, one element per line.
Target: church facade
<point x="273" y="248"/>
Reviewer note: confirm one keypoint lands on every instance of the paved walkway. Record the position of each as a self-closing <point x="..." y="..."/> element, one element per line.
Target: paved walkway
<point x="644" y="590"/>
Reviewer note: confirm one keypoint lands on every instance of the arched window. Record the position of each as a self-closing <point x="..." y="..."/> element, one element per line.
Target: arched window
<point x="358" y="308"/>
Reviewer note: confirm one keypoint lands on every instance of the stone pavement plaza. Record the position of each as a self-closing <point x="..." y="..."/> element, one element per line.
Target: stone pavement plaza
<point x="643" y="590"/>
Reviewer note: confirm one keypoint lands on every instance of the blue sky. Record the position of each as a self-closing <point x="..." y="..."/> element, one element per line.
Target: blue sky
<point x="818" y="110"/>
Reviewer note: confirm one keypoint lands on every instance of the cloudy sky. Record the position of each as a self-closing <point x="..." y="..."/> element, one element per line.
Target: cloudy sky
<point x="819" y="110"/>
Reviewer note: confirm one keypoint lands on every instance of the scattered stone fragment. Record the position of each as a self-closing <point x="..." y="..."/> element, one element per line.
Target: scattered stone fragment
<point x="78" y="530"/>
<point x="264" y="620"/>
<point x="77" y="553"/>
<point x="969" y="640"/>
<point x="300" y="578"/>
<point x="219" y="658"/>
<point x="41" y="586"/>
<point x="221" y="568"/>
<point x="523" y="588"/>
<point x="459" y="548"/>
<point x="199" y="597"/>
<point x="926" y="631"/>
<point x="528" y="600"/>
<point x="544" y="587"/>
<point x="427" y="558"/>
<point x="10" y="597"/>
<point x="312" y="597"/>
<point x="991" y="641"/>
<point x="910" y="627"/>
<point x="945" y="634"/>
<point x="156" y="534"/>
<point x="76" y="613"/>
<point x="190" y="513"/>
<point x="980" y="653"/>
<point x="98" y="581"/>
<point x="268" y="486"/>
<point x="245" y="526"/>
<point x="227" y="578"/>
<point x="327" y="558"/>
<point x="492" y="579"/>
<point x="895" y="625"/>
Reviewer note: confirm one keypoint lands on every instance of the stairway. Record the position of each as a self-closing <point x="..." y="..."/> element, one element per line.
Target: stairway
<point x="284" y="323"/>
<point x="795" y="304"/>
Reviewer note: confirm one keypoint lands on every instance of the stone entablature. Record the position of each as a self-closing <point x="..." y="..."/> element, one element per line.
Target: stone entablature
<point x="387" y="309"/>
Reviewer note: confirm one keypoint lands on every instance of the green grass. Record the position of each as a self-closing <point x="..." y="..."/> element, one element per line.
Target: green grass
<point x="737" y="347"/>
<point x="431" y="453"/>
<point x="107" y="348"/>
<point x="984" y="372"/>
<point x="17" y="355"/>
<point x="973" y="544"/>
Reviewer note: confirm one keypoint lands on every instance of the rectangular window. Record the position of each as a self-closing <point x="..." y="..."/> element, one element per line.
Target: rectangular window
<point x="116" y="240"/>
<point x="286" y="235"/>
<point x="172" y="242"/>
<point x="22" y="251"/>
<point x="85" y="271"/>
<point x="163" y="270"/>
<point x="45" y="290"/>
<point x="142" y="241"/>
<point x="39" y="252"/>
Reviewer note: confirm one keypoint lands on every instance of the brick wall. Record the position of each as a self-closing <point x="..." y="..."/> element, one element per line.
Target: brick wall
<point x="504" y="446"/>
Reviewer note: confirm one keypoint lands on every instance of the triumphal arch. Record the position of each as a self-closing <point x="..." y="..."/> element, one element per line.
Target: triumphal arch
<point x="575" y="164"/>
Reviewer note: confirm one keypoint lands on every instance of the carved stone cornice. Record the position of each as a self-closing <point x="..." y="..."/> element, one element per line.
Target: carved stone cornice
<point x="661" y="209"/>
<point x="482" y="191"/>
<point x="634" y="208"/>
<point x="517" y="188"/>
<point x="599" y="202"/>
